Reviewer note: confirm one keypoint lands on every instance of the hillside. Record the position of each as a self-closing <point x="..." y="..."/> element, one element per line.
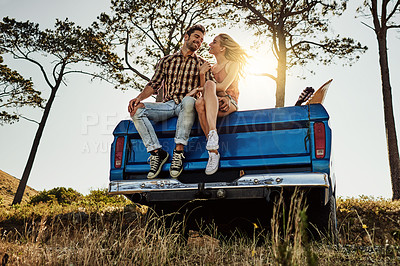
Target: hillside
<point x="8" y="187"/>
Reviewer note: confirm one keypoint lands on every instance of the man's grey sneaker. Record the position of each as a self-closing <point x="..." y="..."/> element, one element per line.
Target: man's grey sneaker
<point x="157" y="160"/>
<point x="213" y="139"/>
<point x="177" y="164"/>
<point x="213" y="163"/>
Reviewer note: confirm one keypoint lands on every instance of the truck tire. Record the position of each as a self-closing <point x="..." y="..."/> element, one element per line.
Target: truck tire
<point x="323" y="221"/>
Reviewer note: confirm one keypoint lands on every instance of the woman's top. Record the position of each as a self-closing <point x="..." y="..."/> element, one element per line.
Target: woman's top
<point x="233" y="89"/>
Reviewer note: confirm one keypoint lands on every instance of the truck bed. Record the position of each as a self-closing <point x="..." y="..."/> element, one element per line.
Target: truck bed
<point x="254" y="145"/>
<point x="267" y="140"/>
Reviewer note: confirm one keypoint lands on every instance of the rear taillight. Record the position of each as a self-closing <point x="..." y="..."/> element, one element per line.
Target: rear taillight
<point x="319" y="138"/>
<point x="119" y="151"/>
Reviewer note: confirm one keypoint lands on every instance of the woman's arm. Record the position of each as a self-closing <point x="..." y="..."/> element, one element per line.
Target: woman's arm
<point x="232" y="70"/>
<point x="203" y="70"/>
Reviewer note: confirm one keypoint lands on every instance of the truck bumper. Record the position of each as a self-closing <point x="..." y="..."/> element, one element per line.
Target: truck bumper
<point x="247" y="187"/>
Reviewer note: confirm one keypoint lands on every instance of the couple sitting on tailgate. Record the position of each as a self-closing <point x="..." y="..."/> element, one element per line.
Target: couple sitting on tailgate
<point x="190" y="83"/>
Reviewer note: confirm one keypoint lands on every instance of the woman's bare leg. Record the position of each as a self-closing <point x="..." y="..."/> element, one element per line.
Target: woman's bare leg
<point x="211" y="104"/>
<point x="201" y="112"/>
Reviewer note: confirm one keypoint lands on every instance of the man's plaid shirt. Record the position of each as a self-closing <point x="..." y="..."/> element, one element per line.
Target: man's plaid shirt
<point x="179" y="75"/>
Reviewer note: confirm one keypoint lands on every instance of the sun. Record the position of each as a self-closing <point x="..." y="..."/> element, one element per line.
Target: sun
<point x="257" y="91"/>
<point x="261" y="62"/>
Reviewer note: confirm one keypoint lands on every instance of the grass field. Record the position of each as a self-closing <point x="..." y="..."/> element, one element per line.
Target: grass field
<point x="102" y="230"/>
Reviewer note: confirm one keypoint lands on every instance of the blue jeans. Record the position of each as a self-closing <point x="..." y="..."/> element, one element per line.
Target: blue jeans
<point x="157" y="112"/>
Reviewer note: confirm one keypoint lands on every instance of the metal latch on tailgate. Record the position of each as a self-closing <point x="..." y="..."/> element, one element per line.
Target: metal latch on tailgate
<point x="202" y="193"/>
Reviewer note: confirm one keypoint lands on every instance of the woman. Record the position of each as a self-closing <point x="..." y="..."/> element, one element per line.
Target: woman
<point x="221" y="98"/>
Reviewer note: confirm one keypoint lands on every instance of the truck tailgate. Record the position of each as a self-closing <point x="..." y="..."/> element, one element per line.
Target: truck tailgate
<point x="267" y="138"/>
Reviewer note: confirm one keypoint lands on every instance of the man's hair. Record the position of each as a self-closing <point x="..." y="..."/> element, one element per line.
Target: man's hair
<point x="193" y="28"/>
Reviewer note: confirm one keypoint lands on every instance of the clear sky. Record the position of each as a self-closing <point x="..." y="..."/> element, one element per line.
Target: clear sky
<point x="74" y="151"/>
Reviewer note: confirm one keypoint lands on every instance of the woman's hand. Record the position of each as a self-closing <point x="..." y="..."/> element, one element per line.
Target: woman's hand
<point x="204" y="67"/>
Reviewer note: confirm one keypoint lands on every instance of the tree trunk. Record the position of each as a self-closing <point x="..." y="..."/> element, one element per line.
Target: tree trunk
<point x="391" y="138"/>
<point x="281" y="71"/>
<point x="35" y="145"/>
<point x="281" y="81"/>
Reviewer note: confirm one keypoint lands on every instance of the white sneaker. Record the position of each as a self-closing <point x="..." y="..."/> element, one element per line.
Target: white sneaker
<point x="213" y="163"/>
<point x="213" y="139"/>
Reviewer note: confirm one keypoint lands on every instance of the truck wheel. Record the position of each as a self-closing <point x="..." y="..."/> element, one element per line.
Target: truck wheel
<point x="323" y="221"/>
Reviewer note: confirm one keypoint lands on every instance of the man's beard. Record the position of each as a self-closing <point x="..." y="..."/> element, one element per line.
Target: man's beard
<point x="192" y="47"/>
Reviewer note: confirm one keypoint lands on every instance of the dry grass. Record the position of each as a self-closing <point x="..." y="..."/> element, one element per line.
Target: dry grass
<point x="48" y="234"/>
<point x="368" y="221"/>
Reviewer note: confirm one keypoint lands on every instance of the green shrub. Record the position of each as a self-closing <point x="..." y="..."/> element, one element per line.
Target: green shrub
<point x="102" y="195"/>
<point x="61" y="195"/>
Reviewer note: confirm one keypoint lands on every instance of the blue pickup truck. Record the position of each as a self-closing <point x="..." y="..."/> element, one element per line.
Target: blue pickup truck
<point x="263" y="153"/>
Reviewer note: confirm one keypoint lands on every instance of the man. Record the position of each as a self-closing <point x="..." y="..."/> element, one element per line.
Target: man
<point x="179" y="74"/>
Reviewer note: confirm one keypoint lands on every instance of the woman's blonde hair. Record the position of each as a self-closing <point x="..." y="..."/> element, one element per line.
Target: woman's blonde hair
<point x="233" y="51"/>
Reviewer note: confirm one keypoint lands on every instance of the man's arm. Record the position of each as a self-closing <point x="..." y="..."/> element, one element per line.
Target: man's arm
<point x="146" y="93"/>
<point x="209" y="75"/>
<point x="224" y="103"/>
<point x="155" y="82"/>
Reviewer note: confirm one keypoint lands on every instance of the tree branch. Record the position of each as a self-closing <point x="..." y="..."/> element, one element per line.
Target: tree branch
<point x="394" y="10"/>
<point x="302" y="11"/>
<point x="393" y="27"/>
<point x="36" y="63"/>
<point x="15" y="103"/>
<point x="29" y="119"/>
<point x="255" y="12"/>
<point x="88" y="74"/>
<point x="368" y="26"/>
<point x="127" y="60"/>
<point x="157" y="40"/>
<point x="145" y="32"/>
<point x="264" y="75"/>
<point x="309" y="42"/>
